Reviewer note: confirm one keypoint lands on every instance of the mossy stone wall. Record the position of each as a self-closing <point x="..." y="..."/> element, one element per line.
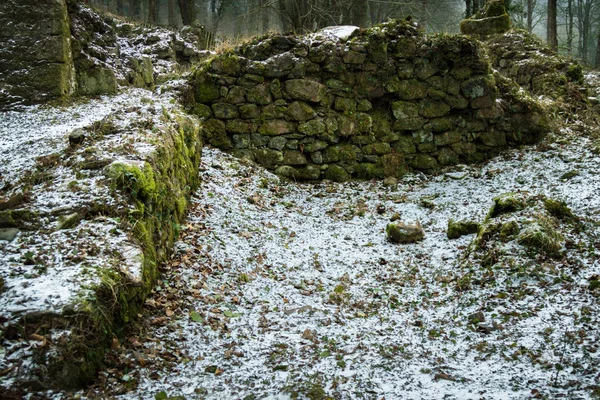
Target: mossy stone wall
<point x="388" y="100"/>
<point x="35" y="51"/>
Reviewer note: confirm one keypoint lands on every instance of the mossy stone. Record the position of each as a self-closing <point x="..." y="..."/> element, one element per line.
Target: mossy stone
<point x="202" y="111"/>
<point x="336" y="173"/>
<point x="313" y="127"/>
<point x="447" y="156"/>
<point x="276" y="127"/>
<point x="259" y="94"/>
<point x="249" y="111"/>
<point x="433" y="108"/>
<point x="225" y="111"/>
<point x="399" y="232"/>
<point x="457" y="229"/>
<point x="404" y="110"/>
<point x="424" y="162"/>
<point x="344" y="104"/>
<point x="412" y="89"/>
<point x="207" y="92"/>
<point x="504" y="204"/>
<point x="268" y="158"/>
<point x="305" y="90"/>
<point x="404" y="145"/>
<point x="294" y="157"/>
<point x="300" y="111"/>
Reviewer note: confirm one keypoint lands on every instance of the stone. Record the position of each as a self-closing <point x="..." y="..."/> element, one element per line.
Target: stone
<point x="424" y="162"/>
<point x="447" y="156"/>
<point x="336" y="173"/>
<point x="364" y="105"/>
<point x="225" y="111"/>
<point x="433" y="108"/>
<point x="276" y="127"/>
<point x="457" y="229"/>
<point x="369" y="86"/>
<point x="96" y="81"/>
<point x="353" y="57"/>
<point x="477" y="87"/>
<point x="390" y="181"/>
<point x="202" y="111"/>
<point x="344" y="104"/>
<point x="412" y="89"/>
<point x="493" y="138"/>
<point x="8" y="234"/>
<point x="69" y="221"/>
<point x="399" y="232"/>
<point x="236" y="95"/>
<point x="447" y="138"/>
<point x="239" y="126"/>
<point x="268" y="158"/>
<point x="300" y="111"/>
<point x="306" y="90"/>
<point x="36" y="62"/>
<point x="278" y="143"/>
<point x="76" y="137"/>
<point x="259" y="94"/>
<point x="293" y="157"/>
<point x="313" y="127"/>
<point x="274" y="111"/>
<point x="405" y="110"/>
<point x="249" y="111"/>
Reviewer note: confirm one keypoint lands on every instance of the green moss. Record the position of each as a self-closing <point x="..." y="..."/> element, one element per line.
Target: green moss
<point x="135" y="178"/>
<point x="457" y="229"/>
<point x="542" y="237"/>
<point x="336" y="173"/>
<point x="559" y="209"/>
<point x="505" y="203"/>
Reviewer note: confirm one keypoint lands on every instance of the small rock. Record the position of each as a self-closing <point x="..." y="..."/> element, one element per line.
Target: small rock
<point x="390" y="181"/>
<point x="8" y="234"/>
<point x="76" y="137"/>
<point x="476" y="318"/>
<point x="399" y="232"/>
<point x="395" y="217"/>
<point x="380" y="209"/>
<point x="457" y="229"/>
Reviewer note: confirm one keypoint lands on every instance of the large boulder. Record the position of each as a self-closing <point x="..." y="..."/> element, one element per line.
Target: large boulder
<point x="35" y="51"/>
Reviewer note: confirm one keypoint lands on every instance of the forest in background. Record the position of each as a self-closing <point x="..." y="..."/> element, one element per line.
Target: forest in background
<point x="577" y="24"/>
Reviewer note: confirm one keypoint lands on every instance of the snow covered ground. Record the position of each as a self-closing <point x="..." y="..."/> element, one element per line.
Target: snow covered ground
<point x="290" y="290"/>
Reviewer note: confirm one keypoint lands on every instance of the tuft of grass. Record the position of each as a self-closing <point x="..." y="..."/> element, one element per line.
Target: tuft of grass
<point x="542" y="237"/>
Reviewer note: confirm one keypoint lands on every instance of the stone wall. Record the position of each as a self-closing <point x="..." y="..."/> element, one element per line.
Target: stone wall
<point x="35" y="50"/>
<point x="385" y="101"/>
<point x="524" y="58"/>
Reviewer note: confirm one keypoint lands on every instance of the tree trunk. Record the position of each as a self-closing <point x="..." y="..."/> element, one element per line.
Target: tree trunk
<point x="570" y="26"/>
<point x="188" y="14"/>
<point x="530" y="7"/>
<point x="597" y="63"/>
<point x="264" y="16"/>
<point x="172" y="11"/>
<point x="551" y="33"/>
<point x="469" y="6"/>
<point x="152" y="12"/>
<point x="136" y="9"/>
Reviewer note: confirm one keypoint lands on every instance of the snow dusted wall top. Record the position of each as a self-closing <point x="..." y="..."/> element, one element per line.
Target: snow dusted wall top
<point x="377" y="103"/>
<point x="35" y="51"/>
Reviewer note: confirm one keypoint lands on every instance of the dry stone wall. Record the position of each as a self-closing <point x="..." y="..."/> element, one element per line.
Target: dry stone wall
<point x="35" y="50"/>
<point x="385" y="101"/>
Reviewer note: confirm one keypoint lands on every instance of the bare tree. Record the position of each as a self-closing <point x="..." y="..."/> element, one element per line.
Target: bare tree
<point x="551" y="32"/>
